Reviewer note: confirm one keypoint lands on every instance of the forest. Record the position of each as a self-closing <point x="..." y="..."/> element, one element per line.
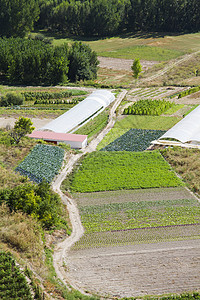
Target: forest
<point x="98" y="17"/>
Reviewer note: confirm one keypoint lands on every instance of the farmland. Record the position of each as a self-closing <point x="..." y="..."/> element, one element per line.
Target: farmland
<point x="43" y="163"/>
<point x="134" y="140"/>
<point x="104" y="171"/>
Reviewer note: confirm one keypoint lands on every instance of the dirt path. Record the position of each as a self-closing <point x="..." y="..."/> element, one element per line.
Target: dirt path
<point x="168" y="67"/>
<point x="61" y="249"/>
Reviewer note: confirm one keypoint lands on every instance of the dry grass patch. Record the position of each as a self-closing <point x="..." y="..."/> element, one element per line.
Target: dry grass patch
<point x="185" y="162"/>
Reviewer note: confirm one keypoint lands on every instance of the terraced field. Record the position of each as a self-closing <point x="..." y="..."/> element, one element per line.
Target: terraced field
<point x="138" y="261"/>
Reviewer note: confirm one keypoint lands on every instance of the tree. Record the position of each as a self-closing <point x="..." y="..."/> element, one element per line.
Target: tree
<point x="22" y="127"/>
<point x="136" y="68"/>
<point x="17" y="17"/>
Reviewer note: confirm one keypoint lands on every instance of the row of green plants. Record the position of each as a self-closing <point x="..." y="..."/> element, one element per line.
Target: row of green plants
<point x="42" y="163"/>
<point x="148" y="107"/>
<point x="143" y="214"/>
<point x="104" y="171"/>
<point x="189" y="92"/>
<point x="13" y="284"/>
<point x="59" y="101"/>
<point x="134" y="140"/>
<point x="31" y="96"/>
<point x="137" y="236"/>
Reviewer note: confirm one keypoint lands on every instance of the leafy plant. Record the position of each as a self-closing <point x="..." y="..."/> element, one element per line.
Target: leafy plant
<point x="134" y="140"/>
<point x="43" y="162"/>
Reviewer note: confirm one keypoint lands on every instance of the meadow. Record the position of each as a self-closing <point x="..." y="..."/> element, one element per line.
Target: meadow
<point x="105" y="171"/>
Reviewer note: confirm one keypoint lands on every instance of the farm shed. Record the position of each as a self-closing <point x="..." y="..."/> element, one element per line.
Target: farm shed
<point x="186" y="132"/>
<point x="81" y="113"/>
<point x="76" y="141"/>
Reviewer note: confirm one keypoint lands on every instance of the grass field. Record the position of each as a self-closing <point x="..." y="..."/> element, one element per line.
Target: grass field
<point x="104" y="171"/>
<point x="175" y="45"/>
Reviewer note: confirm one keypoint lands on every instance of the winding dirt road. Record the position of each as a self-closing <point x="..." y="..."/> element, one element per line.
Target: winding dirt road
<point x="61" y="249"/>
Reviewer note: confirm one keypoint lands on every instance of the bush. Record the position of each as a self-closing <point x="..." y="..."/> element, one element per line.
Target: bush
<point x="11" y="99"/>
<point x="189" y="92"/>
<point x="148" y="107"/>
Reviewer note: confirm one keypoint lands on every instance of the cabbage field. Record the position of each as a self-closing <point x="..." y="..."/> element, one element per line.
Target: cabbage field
<point x="134" y="140"/>
<point x="106" y="171"/>
<point x="42" y="163"/>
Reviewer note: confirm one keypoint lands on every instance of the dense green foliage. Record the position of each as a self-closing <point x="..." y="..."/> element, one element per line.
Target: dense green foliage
<point x="136" y="68"/>
<point x="103" y="18"/>
<point x="13" y="284"/>
<point x="129" y="215"/>
<point x="105" y="171"/>
<point x="148" y="107"/>
<point x="35" y="200"/>
<point x="34" y="62"/>
<point x="189" y="92"/>
<point x="18" y="17"/>
<point x="134" y="140"/>
<point x="11" y="99"/>
<point x="43" y="162"/>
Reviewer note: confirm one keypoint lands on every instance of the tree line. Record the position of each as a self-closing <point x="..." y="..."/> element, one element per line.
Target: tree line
<point x="98" y="17"/>
<point x="27" y="61"/>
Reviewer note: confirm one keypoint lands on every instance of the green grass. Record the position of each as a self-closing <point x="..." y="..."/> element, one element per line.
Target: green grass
<point x="173" y="109"/>
<point x="105" y="171"/>
<point x="143" y="52"/>
<point x="176" y="43"/>
<point x="138" y="122"/>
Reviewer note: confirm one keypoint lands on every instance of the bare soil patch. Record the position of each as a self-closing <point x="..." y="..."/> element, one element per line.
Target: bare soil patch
<point x="137" y="270"/>
<point x="37" y="122"/>
<point x="122" y="64"/>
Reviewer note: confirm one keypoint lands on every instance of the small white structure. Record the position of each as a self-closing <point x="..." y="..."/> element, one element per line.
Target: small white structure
<point x="185" y="133"/>
<point x="81" y="113"/>
<point x="76" y="141"/>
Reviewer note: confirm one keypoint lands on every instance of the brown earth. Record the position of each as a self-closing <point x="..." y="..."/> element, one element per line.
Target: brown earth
<point x="137" y="270"/>
<point x="122" y="64"/>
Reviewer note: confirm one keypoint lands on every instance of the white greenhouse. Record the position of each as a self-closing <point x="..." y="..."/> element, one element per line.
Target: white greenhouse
<point x="81" y="113"/>
<point x="185" y="132"/>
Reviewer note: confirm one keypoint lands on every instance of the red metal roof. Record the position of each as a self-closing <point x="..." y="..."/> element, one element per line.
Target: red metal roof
<point x="55" y="136"/>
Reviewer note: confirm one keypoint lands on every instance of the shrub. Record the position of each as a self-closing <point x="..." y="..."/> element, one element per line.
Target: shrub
<point x="11" y="99"/>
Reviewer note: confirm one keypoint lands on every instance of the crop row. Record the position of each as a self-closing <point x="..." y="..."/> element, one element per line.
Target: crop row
<point x="122" y="216"/>
<point x="134" y="140"/>
<point x="13" y="284"/>
<point x="59" y="101"/>
<point x="42" y="163"/>
<point x="52" y="95"/>
<point x="137" y="236"/>
<point x="189" y="92"/>
<point x="148" y="107"/>
<point x="105" y="171"/>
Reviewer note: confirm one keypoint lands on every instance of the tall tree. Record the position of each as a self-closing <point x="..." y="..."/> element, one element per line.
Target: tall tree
<point x="17" y="17"/>
<point x="136" y="68"/>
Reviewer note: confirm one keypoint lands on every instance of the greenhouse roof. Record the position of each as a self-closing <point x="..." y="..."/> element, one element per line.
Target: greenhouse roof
<point x="187" y="130"/>
<point x="81" y="112"/>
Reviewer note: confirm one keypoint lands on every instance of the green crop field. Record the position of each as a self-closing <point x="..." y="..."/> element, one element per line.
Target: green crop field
<point x="134" y="140"/>
<point x="138" y="216"/>
<point x="105" y="171"/>
<point x="137" y="122"/>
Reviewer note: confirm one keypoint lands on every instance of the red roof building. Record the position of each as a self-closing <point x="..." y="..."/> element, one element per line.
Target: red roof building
<point x="77" y="141"/>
